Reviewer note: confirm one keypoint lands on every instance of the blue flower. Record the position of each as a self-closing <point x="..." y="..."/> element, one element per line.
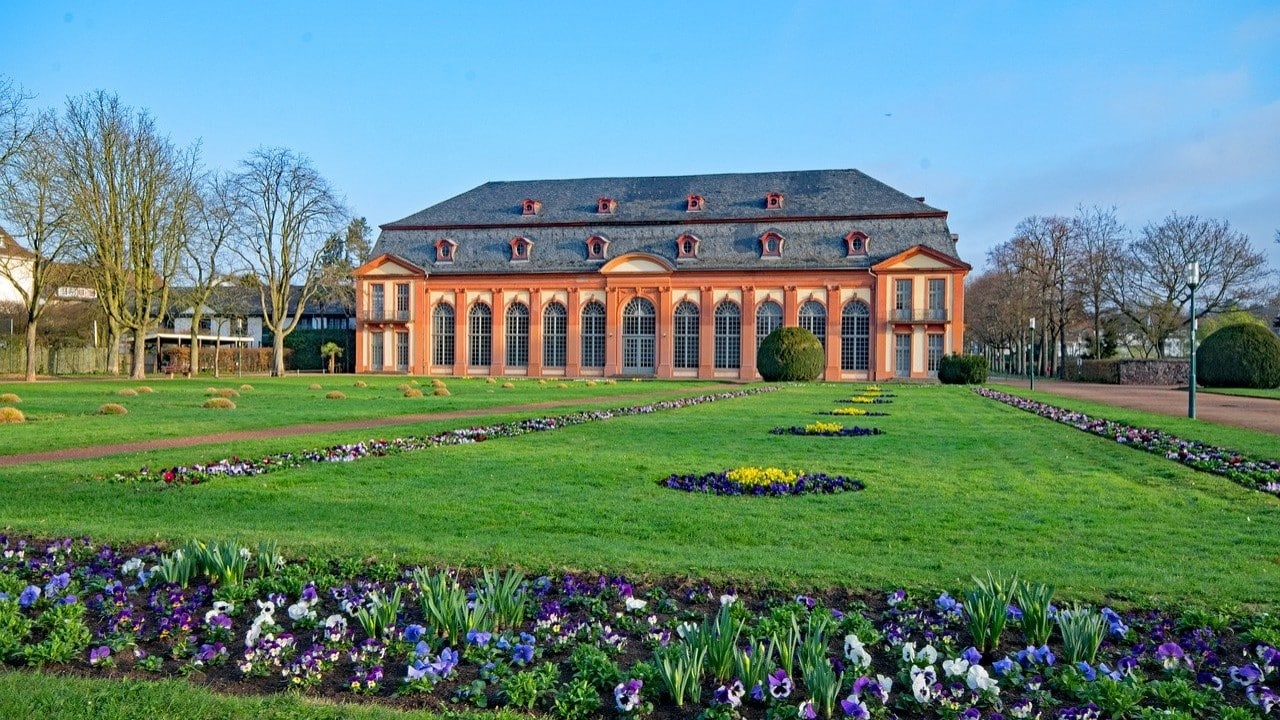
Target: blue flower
<point x="1002" y="666"/>
<point x="413" y="633"/>
<point x="28" y="596"/>
<point x="972" y="655"/>
<point x="479" y="638"/>
<point x="1087" y="671"/>
<point x="522" y="654"/>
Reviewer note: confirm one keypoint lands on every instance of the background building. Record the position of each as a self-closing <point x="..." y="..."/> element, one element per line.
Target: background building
<point x="665" y="277"/>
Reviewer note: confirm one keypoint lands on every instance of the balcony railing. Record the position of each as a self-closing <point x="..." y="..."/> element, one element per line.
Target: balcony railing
<point x="929" y="315"/>
<point x="382" y="315"/>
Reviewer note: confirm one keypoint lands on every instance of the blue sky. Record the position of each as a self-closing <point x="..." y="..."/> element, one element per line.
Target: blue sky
<point x="992" y="111"/>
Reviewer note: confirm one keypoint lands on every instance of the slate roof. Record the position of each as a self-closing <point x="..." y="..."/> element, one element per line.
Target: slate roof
<point x="820" y="207"/>
<point x="10" y="247"/>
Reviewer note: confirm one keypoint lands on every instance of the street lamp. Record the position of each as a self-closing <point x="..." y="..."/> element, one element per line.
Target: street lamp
<point x="1031" y="356"/>
<point x="1193" y="279"/>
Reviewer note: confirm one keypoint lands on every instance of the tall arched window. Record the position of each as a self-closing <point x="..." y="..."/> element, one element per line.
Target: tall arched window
<point x="728" y="335"/>
<point x="593" y="335"/>
<point x="518" y="335"/>
<point x="768" y="319"/>
<point x="813" y="317"/>
<point x="442" y="340"/>
<point x="855" y="336"/>
<point x="480" y="335"/>
<point x="685" y="334"/>
<point x="639" y="337"/>
<point x="555" y="328"/>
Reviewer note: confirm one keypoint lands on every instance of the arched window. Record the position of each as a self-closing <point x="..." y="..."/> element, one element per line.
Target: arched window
<point x="685" y="333"/>
<point x="639" y="333"/>
<point x="593" y="335"/>
<point x="442" y="340"/>
<point x="813" y="317"/>
<point x="855" y="336"/>
<point x="728" y="336"/>
<point x="555" y="328"/>
<point x="518" y="335"/>
<point x="768" y="319"/>
<point x="480" y="335"/>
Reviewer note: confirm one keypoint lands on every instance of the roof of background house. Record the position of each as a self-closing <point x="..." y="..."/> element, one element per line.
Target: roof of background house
<point x="11" y="248"/>
<point x="819" y="208"/>
<point x="240" y="300"/>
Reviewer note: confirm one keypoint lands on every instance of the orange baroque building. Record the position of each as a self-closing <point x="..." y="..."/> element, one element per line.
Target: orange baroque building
<point x="670" y="277"/>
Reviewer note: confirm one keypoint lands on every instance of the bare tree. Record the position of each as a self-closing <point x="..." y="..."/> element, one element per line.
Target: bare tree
<point x="997" y="305"/>
<point x="1040" y="251"/>
<point x="285" y="211"/>
<point x="130" y="194"/>
<point x="1151" y="288"/>
<point x="204" y="266"/>
<point x="14" y="128"/>
<point x="1098" y="240"/>
<point x="31" y="199"/>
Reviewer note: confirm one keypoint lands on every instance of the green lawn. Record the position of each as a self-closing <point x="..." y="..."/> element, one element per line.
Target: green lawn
<point x="1271" y="394"/>
<point x="959" y="485"/>
<point x="28" y="694"/>
<point x="63" y="414"/>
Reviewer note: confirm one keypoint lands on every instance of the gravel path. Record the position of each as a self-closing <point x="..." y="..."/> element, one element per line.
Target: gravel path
<point x="1254" y="413"/>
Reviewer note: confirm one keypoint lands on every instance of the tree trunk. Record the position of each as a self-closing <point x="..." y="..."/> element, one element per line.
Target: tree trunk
<point x="195" y="353"/>
<point x="140" y="355"/>
<point x="332" y="357"/>
<point x="113" y="350"/>
<point x="31" y="350"/>
<point x="277" y="360"/>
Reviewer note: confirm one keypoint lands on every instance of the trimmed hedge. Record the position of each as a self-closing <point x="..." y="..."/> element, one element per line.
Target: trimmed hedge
<point x="790" y="353"/>
<point x="1245" y="356"/>
<point x="957" y="369"/>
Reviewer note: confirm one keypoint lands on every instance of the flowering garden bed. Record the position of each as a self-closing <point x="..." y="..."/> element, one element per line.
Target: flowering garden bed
<point x="855" y="411"/>
<point x="242" y="467"/>
<point x="580" y="647"/>
<point x="827" y="429"/>
<point x="763" y="482"/>
<point x="1263" y="475"/>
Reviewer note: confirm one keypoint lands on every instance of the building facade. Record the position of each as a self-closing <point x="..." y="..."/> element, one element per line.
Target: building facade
<point x="669" y="277"/>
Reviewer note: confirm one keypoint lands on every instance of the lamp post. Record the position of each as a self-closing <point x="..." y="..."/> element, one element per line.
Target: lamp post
<point x="240" y="347"/>
<point x="1031" y="356"/>
<point x="1193" y="279"/>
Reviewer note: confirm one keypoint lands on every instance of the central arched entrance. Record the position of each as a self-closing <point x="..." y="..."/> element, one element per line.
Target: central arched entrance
<point x="639" y="338"/>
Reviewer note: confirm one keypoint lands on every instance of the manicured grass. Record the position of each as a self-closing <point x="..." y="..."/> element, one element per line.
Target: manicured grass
<point x="958" y="485"/>
<point x="51" y="697"/>
<point x="63" y="414"/>
<point x="1270" y="394"/>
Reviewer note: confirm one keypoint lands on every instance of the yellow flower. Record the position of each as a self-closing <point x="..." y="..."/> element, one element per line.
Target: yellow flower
<point x="762" y="476"/>
<point x="866" y="399"/>
<point x="848" y="411"/>
<point x="823" y="427"/>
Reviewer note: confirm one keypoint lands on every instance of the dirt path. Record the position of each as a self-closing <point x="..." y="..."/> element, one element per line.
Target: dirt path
<point x="1253" y="413"/>
<point x="97" y="451"/>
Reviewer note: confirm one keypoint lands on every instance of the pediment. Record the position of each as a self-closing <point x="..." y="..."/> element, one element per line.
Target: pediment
<point x="635" y="264"/>
<point x="921" y="258"/>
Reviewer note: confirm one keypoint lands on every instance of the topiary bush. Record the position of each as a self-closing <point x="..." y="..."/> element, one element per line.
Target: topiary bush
<point x="1246" y="356"/>
<point x="957" y="369"/>
<point x="791" y="353"/>
<point x="11" y="415"/>
<point x="112" y="409"/>
<point x="413" y="393"/>
<point x="127" y="392"/>
<point x="335" y="395"/>
<point x="144" y="389"/>
<point x="219" y="403"/>
<point x="228" y="392"/>
<point x="441" y="391"/>
<point x="11" y="398"/>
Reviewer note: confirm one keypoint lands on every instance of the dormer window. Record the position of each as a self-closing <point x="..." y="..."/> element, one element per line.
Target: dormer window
<point x="520" y="249"/>
<point x="446" y="249"/>
<point x="771" y="245"/>
<point x="856" y="244"/>
<point x="695" y="203"/>
<point x="606" y="206"/>
<point x="530" y="207"/>
<point x="687" y="246"/>
<point x="773" y="201"/>
<point x="597" y="247"/>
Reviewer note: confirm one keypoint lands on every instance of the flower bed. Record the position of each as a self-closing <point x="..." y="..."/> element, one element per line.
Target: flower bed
<point x="583" y="646"/>
<point x="866" y="400"/>
<point x="827" y="429"/>
<point x="856" y="411"/>
<point x="1263" y="475"/>
<point x="241" y="467"/>
<point x="763" y="482"/>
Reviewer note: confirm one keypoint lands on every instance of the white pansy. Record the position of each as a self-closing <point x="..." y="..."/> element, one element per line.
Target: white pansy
<point x="300" y="610"/>
<point x="958" y="666"/>
<point x="728" y="599"/>
<point x="928" y="654"/>
<point x="635" y="604"/>
<point x="131" y="566"/>
<point x="854" y="651"/>
<point x="908" y="652"/>
<point x="978" y="679"/>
